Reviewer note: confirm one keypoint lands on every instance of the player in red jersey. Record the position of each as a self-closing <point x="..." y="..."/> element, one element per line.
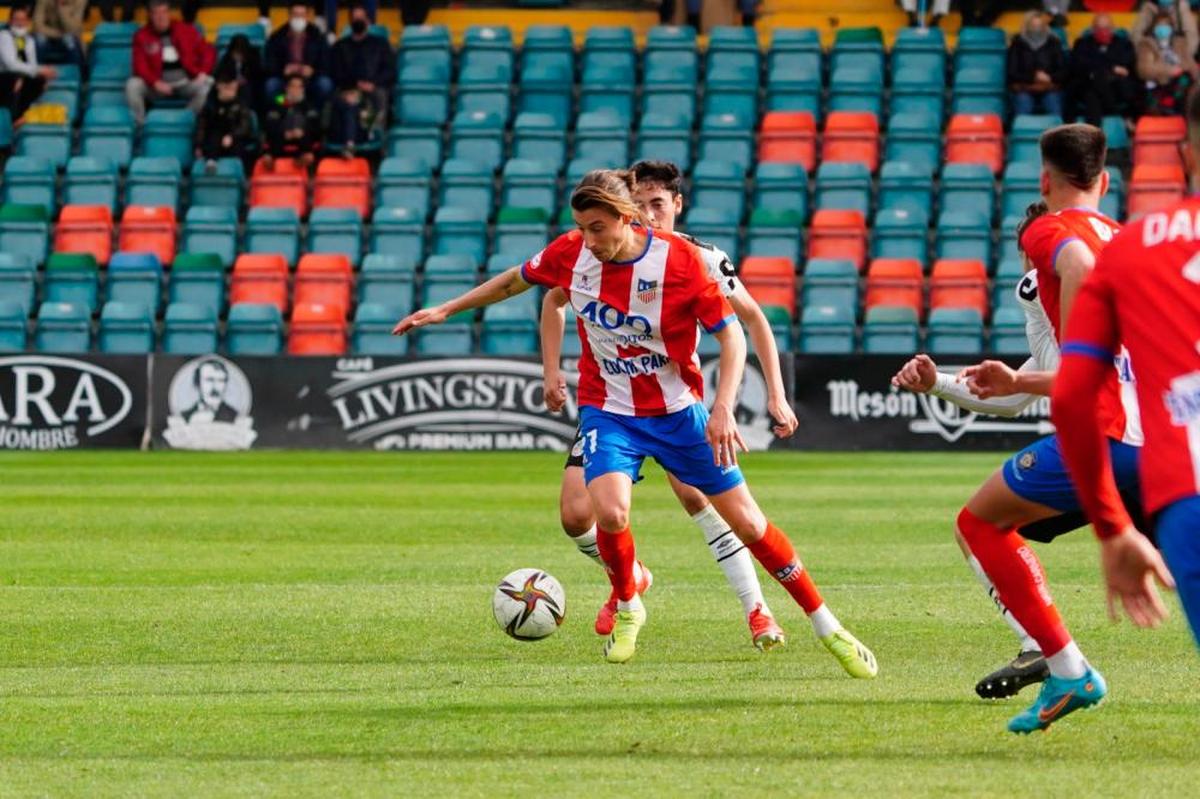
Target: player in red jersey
<point x="1033" y="485"/>
<point x="638" y="295"/>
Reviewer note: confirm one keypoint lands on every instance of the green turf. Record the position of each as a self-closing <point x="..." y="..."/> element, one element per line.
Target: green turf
<point x="319" y="624"/>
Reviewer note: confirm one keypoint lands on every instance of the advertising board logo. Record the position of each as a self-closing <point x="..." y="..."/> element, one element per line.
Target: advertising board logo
<point x="209" y="403"/>
<point x="49" y="402"/>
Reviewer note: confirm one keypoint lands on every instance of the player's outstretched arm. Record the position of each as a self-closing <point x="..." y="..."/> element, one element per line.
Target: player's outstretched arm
<point x="920" y="375"/>
<point x="501" y="287"/>
<point x="751" y="315"/>
<point x="552" y="326"/>
<point x="997" y="379"/>
<point x="722" y="431"/>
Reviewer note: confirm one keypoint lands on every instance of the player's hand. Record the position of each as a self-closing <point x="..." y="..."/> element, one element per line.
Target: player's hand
<point x="426" y="316"/>
<point x="724" y="437"/>
<point x="785" y="418"/>
<point x="1131" y="566"/>
<point x="990" y="379"/>
<point x="554" y="387"/>
<point x="918" y="375"/>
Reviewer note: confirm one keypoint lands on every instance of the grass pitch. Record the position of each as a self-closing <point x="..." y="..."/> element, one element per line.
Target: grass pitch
<point x="287" y="624"/>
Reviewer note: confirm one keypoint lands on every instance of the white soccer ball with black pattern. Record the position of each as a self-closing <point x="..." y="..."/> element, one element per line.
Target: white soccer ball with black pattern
<point x="529" y="604"/>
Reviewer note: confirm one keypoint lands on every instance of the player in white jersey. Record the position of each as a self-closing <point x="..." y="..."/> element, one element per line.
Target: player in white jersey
<point x="659" y="199"/>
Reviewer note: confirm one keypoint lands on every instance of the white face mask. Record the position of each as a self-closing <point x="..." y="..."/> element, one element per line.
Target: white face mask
<point x="299" y="24"/>
<point x="19" y="31"/>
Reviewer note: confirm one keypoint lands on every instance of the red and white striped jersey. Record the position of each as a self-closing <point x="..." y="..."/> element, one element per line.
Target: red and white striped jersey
<point x="1042" y="242"/>
<point x="636" y="320"/>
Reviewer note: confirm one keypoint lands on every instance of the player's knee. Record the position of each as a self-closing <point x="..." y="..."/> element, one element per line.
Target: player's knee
<point x="612" y="519"/>
<point x="576" y="518"/>
<point x="748" y="527"/>
<point x="692" y="500"/>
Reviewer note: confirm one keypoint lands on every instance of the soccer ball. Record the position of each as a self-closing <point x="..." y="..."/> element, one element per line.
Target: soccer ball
<point x="529" y="604"/>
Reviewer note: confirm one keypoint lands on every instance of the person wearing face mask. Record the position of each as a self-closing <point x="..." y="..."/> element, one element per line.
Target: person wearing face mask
<point x="366" y="61"/>
<point x="1102" y="69"/>
<point x="299" y="48"/>
<point x="1180" y="17"/>
<point x="1166" y="65"/>
<point x="22" y="78"/>
<point x="1037" y="68"/>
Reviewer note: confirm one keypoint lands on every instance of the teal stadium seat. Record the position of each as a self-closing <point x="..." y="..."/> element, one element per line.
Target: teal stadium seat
<point x="968" y="187"/>
<point x="189" y="329"/>
<point x="13" y="325"/>
<point x="154" y="182"/>
<point x="167" y="133"/>
<point x="844" y="186"/>
<point x="25" y="230"/>
<point x="62" y="328"/>
<point x="891" y="330"/>
<point x="126" y="328"/>
<point x="336" y="230"/>
<point x="520" y="230"/>
<point x="964" y="235"/>
<point x="720" y="185"/>
<point x="91" y="181"/>
<point x="225" y="186"/>
<point x="827" y="330"/>
<point x="398" y="231"/>
<point x="774" y="234"/>
<point x="901" y="233"/>
<point x="18" y="280"/>
<point x="716" y="226"/>
<point x="254" y="329"/>
<point x="387" y="280"/>
<point x="211" y="229"/>
<point x="108" y="132"/>
<point x="372" y="330"/>
<point x="273" y="230"/>
<point x="1008" y="332"/>
<point x="404" y="183"/>
<point x="466" y="183"/>
<point x="477" y="136"/>
<point x="30" y="181"/>
<point x="664" y="137"/>
<point x="1023" y="139"/>
<point x="537" y="137"/>
<point x="906" y="185"/>
<point x="135" y="278"/>
<point x="830" y="282"/>
<point x="460" y="230"/>
<point x="914" y="137"/>
<point x="781" y="187"/>
<point x="529" y="184"/>
<point x="198" y="279"/>
<point x="727" y="137"/>
<point x="72" y="279"/>
<point x="955" y="331"/>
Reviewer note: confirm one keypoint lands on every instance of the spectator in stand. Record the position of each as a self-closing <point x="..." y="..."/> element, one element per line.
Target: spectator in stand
<point x="1102" y="73"/>
<point x="293" y="126"/>
<point x="1167" y="66"/>
<point x="327" y="19"/>
<point x="108" y="10"/>
<point x="1181" y="18"/>
<point x="1037" y="68"/>
<point x="226" y="127"/>
<point x="242" y="59"/>
<point x="22" y="78"/>
<point x="299" y="48"/>
<point x="351" y="119"/>
<point x="938" y="9"/>
<point x="170" y="59"/>
<point x="58" y="29"/>
<point x="365" y="60"/>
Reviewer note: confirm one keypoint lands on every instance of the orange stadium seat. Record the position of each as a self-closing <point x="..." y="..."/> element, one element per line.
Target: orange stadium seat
<point x="284" y="185"/>
<point x="790" y="137"/>
<point x="342" y="183"/>
<point x="851" y="136"/>
<point x="771" y="281"/>
<point x="260" y="278"/>
<point x="959" y="284"/>
<point x="324" y="279"/>
<point x="85" y="228"/>
<point x="147" y="228"/>
<point x="895" y="281"/>
<point x="838" y="234"/>
<point x="976" y="139"/>
<point x="1156" y="140"/>
<point x="317" y="329"/>
<point x="1153" y="186"/>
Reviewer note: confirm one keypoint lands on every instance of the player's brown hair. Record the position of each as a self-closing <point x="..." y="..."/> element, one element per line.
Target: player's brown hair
<point x="1032" y="212"/>
<point x="1076" y="152"/>
<point x="659" y="173"/>
<point x="610" y="189"/>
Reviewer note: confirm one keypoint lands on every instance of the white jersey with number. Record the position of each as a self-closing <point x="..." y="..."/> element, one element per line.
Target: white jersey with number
<point x="1043" y="345"/>
<point x="720" y="268"/>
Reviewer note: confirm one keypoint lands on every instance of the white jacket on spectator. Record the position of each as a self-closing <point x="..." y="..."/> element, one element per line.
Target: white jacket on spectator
<point x="10" y="58"/>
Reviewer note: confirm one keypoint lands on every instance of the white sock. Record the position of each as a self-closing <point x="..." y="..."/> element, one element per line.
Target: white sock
<point x="632" y="604"/>
<point x="824" y="622"/>
<point x="733" y="558"/>
<point x="1027" y="642"/>
<point x="1068" y="662"/>
<point x="588" y="546"/>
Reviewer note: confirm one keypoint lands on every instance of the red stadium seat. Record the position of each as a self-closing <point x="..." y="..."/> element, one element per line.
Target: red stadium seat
<point x="770" y="281"/>
<point x="959" y="284"/>
<point x="85" y="228"/>
<point x="838" y="234"/>
<point x="284" y="185"/>
<point x="976" y="139"/>
<point x="1156" y="140"/>
<point x="852" y="136"/>
<point x="789" y="137"/>
<point x="317" y="329"/>
<point x="147" y="228"/>
<point x="260" y="278"/>
<point x="342" y="183"/>
<point x="1154" y="186"/>
<point x="324" y="279"/>
<point x="895" y="281"/>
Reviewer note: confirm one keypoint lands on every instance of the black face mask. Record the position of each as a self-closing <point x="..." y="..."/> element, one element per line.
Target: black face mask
<point x="359" y="26"/>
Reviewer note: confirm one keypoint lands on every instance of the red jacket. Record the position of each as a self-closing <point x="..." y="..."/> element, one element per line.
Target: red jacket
<point x="195" y="54"/>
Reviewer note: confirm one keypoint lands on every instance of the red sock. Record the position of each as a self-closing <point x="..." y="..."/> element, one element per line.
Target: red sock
<point x="617" y="552"/>
<point x="774" y="551"/>
<point x="1018" y="577"/>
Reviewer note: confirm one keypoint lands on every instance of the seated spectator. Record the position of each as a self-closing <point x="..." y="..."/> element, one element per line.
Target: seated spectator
<point x="242" y="59"/>
<point x="351" y="119"/>
<point x="226" y="128"/>
<point x="299" y="48"/>
<point x="1181" y="18"/>
<point x="108" y="10"/>
<point x="1037" y="68"/>
<point x="170" y="59"/>
<point x="1167" y="67"/>
<point x="365" y="60"/>
<point x="22" y="79"/>
<point x="939" y="9"/>
<point x="293" y="126"/>
<point x="1102" y="73"/>
<point x="58" y="28"/>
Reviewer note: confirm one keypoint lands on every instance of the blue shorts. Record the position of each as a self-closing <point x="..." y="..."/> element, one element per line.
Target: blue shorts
<point x="1178" y="533"/>
<point x="616" y="443"/>
<point x="1038" y="474"/>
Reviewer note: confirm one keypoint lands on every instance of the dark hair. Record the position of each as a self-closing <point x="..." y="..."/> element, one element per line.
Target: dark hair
<point x="26" y="7"/>
<point x="610" y="189"/>
<point x="208" y="362"/>
<point x="1032" y="212"/>
<point x="226" y="73"/>
<point x="1076" y="152"/>
<point x="661" y="173"/>
<point x="157" y="3"/>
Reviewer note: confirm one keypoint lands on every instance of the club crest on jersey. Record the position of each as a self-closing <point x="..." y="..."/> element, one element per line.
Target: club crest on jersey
<point x="1027" y="461"/>
<point x="647" y="290"/>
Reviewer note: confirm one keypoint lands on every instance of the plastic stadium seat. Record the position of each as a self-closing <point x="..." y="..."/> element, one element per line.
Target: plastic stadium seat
<point x="85" y="229"/>
<point x="1008" y="332"/>
<point x="794" y="82"/>
<point x="62" y="327"/>
<point x="254" y="329"/>
<point x="211" y="229"/>
<point x="273" y="230"/>
<point x="919" y="88"/>
<point x="372" y="330"/>
<point x="895" y="282"/>
<point x="959" y="284"/>
<point x="718" y="227"/>
<point x="317" y="329"/>
<point x="397" y="230"/>
<point x="283" y="186"/>
<point x="452" y="338"/>
<point x="148" y="229"/>
<point x="964" y="235"/>
<point x="72" y="278"/>
<point x="781" y="187"/>
<point x="136" y="278"/>
<point x="1154" y="186"/>
<point x="914" y="137"/>
<point x="719" y="185"/>
<point x="511" y="328"/>
<point x="91" y="181"/>
<point x="891" y="329"/>
<point x="830" y="282"/>
<point x="602" y="136"/>
<point x="18" y="279"/>
<point x="422" y="143"/>
<point x="426" y="104"/>
<point x="771" y="281"/>
<point x="976" y="139"/>
<point x="404" y="183"/>
<point x="13" y="325"/>
<point x="260" y="278"/>
<point x="1156" y="140"/>
<point x="1112" y="204"/>
<point x="968" y="187"/>
<point x="827" y="329"/>
<point x="222" y="187"/>
<point x="844" y="186"/>
<point x="336" y="230"/>
<point x="520" y="230"/>
<point x="324" y="279"/>
<point x="537" y="137"/>
<point x="546" y="89"/>
<point x="154" y="181"/>
<point x="1020" y="187"/>
<point x="386" y="280"/>
<point x="530" y="184"/>
<point x="851" y="136"/>
<point x="664" y="137"/>
<point x="168" y="132"/>
<point x="956" y="331"/>
<point x="901" y="233"/>
<point x="774" y="233"/>
<point x="1025" y="137"/>
<point x="466" y="183"/>
<point x="726" y="137"/>
<point x="24" y="230"/>
<point x="838" y="234"/>
<point x="343" y="183"/>
<point x="29" y="181"/>
<point x="198" y="279"/>
<point x="125" y="328"/>
<point x="789" y="137"/>
<point x="51" y="141"/>
<point x="477" y="136"/>
<point x="107" y="132"/>
<point x="460" y="230"/>
<point x="907" y="186"/>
